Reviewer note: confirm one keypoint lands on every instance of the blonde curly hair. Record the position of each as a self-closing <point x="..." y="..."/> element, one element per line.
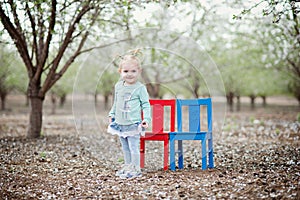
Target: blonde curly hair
<point x="131" y="58"/>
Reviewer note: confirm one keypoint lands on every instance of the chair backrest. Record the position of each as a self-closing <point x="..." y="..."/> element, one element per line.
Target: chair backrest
<point x="158" y="115"/>
<point x="194" y="114"/>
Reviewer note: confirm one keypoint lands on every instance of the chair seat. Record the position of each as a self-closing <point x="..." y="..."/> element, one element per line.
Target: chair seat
<point x="189" y="135"/>
<point x="155" y="136"/>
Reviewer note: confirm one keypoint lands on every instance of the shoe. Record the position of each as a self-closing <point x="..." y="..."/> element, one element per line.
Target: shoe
<point x="132" y="173"/>
<point x="124" y="170"/>
<point x="135" y="174"/>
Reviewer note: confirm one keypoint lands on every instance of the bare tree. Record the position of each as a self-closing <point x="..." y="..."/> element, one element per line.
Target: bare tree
<point x="36" y="27"/>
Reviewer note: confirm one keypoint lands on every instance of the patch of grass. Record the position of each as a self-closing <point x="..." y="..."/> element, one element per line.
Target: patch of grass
<point x="11" y="170"/>
<point x="262" y="123"/>
<point x="252" y="119"/>
<point x="43" y="155"/>
<point x="227" y="127"/>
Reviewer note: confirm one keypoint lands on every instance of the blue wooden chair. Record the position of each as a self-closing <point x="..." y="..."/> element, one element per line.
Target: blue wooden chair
<point x="193" y="131"/>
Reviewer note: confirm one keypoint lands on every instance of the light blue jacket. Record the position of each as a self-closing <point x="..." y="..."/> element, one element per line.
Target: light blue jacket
<point x="129" y="102"/>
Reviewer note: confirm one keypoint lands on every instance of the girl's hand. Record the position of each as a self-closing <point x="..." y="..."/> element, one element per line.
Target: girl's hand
<point x="110" y="119"/>
<point x="145" y="124"/>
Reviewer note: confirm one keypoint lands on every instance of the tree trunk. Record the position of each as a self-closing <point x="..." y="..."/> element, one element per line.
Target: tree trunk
<point x="36" y="117"/>
<point x="153" y="89"/>
<point x="238" y="103"/>
<point x="53" y="101"/>
<point x="252" y="98"/>
<point x="196" y="87"/>
<point x="230" y="97"/>
<point x="297" y="95"/>
<point x="106" y="98"/>
<point x="264" y="98"/>
<point x="62" y="100"/>
<point x="3" y="101"/>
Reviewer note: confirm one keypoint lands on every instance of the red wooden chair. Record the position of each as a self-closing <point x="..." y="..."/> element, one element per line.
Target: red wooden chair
<point x="159" y="130"/>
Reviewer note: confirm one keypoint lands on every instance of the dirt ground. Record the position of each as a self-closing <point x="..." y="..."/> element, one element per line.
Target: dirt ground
<point x="257" y="156"/>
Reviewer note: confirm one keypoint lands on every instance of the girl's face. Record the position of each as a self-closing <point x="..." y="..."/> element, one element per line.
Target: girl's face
<point x="130" y="73"/>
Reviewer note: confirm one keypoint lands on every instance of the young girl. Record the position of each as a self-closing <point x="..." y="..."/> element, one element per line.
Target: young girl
<point x="130" y="100"/>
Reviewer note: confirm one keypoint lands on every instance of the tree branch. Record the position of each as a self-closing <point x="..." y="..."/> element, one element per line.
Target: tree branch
<point x="295" y="19"/>
<point x="44" y="51"/>
<point x="16" y="19"/>
<point x="294" y="67"/>
<point x="52" y="76"/>
<point x="18" y="40"/>
<point x="104" y="45"/>
<point x="34" y="33"/>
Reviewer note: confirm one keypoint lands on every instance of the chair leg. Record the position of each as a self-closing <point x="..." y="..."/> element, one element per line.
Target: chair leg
<point x="166" y="154"/>
<point x="204" y="158"/>
<point x="172" y="154"/>
<point x="142" y="153"/>
<point x="180" y="155"/>
<point x="210" y="153"/>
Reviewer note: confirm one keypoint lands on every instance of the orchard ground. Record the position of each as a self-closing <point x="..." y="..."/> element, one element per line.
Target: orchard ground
<point x="257" y="156"/>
